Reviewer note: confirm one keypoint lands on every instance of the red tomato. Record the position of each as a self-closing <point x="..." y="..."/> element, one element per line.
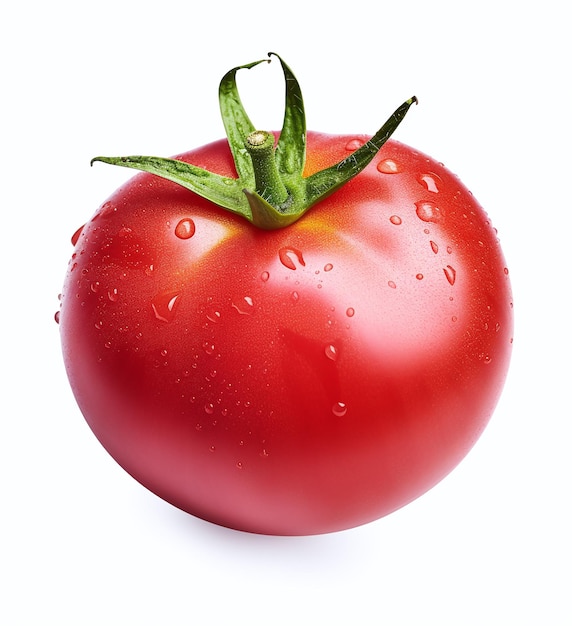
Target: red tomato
<point x="295" y="381"/>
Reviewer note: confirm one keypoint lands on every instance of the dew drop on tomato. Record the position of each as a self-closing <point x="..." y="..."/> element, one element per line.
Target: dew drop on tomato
<point x="76" y="235"/>
<point x="429" y="181"/>
<point x="213" y="314"/>
<point x="208" y="347"/>
<point x="164" y="305"/>
<point x="395" y="220"/>
<point x="106" y="210"/>
<point x="450" y="273"/>
<point x="185" y="229"/>
<point x="244" y="306"/>
<point x="339" y="409"/>
<point x="331" y="352"/>
<point x="427" y="211"/>
<point x="350" y="312"/>
<point x="388" y="166"/>
<point x="354" y="144"/>
<point x="291" y="258"/>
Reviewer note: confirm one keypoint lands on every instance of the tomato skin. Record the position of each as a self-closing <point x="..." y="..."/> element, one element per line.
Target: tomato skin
<point x="298" y="381"/>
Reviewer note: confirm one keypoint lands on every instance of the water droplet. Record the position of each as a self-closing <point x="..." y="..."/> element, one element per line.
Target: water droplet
<point x="124" y="231"/>
<point x="429" y="181"/>
<point x="419" y="276"/>
<point x="350" y="312"/>
<point x="331" y="352"/>
<point x="244" y="306"/>
<point x="208" y="347"/>
<point x="354" y="144"/>
<point x="213" y="314"/>
<point x="506" y="270"/>
<point x="57" y="317"/>
<point x="185" y="229"/>
<point x="295" y="296"/>
<point x="434" y="247"/>
<point x="339" y="409"/>
<point x="427" y="211"/>
<point x="212" y="448"/>
<point x="239" y="465"/>
<point x="264" y="453"/>
<point x="164" y="306"/>
<point x="391" y="284"/>
<point x="328" y="267"/>
<point x="95" y="286"/>
<point x="107" y="209"/>
<point x="76" y="235"/>
<point x="450" y="273"/>
<point x="264" y="276"/>
<point x="113" y="295"/>
<point x="454" y="318"/>
<point x="388" y="166"/>
<point x="395" y="219"/>
<point x="290" y="257"/>
<point x="209" y="408"/>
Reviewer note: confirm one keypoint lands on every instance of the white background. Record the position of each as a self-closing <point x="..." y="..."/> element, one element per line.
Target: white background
<point x="81" y="543"/>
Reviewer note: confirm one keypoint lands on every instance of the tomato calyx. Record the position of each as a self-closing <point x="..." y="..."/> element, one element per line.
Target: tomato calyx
<point x="270" y="191"/>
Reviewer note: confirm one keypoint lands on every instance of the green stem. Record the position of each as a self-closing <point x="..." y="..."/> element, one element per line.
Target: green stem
<point x="268" y="182"/>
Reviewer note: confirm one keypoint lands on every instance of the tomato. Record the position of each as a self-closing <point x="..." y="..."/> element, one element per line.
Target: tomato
<point x="299" y="380"/>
